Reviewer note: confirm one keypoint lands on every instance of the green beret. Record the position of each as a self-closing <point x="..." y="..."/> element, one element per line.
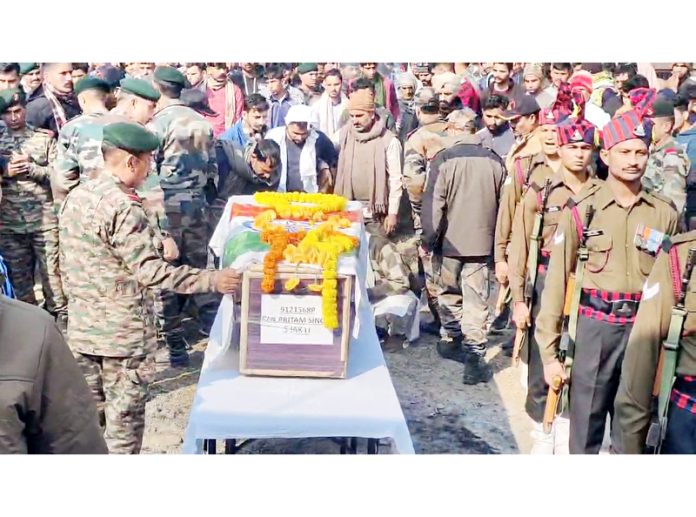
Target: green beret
<point x="169" y="74"/>
<point x="140" y="88"/>
<point x="12" y="97"/>
<point x="305" y="68"/>
<point x="663" y="108"/>
<point x="3" y="106"/>
<point x="25" y="68"/>
<point x="91" y="83"/>
<point x="130" y="137"/>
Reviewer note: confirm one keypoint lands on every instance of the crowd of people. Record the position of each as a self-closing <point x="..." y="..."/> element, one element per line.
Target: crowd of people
<point x="568" y="184"/>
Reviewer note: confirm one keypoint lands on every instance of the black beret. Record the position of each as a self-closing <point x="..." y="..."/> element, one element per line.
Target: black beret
<point x="663" y="108"/>
<point x="12" y="97"/>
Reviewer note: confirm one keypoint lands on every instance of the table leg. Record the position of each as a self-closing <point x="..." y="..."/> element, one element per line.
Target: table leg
<point x="231" y="446"/>
<point x="211" y="447"/>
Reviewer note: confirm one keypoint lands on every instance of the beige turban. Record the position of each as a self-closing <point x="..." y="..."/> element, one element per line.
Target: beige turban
<point x="446" y="79"/>
<point x="362" y="100"/>
<point x="533" y="69"/>
<point x="406" y="79"/>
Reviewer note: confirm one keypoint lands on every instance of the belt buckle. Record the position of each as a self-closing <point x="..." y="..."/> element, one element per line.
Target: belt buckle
<point x="623" y="308"/>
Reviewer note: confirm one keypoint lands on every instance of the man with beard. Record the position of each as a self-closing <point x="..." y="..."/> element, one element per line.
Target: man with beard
<point x="406" y="85"/>
<point x="503" y="84"/>
<point x="52" y="104"/>
<point x="496" y="133"/>
<point x="533" y="77"/>
<point x="327" y="111"/>
<point x="369" y="164"/>
<point x="252" y="125"/>
<point x="250" y="79"/>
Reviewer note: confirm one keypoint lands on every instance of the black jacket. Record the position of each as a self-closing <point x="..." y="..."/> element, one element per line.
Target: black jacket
<point x="45" y="404"/>
<point x="236" y="176"/>
<point x="40" y="113"/>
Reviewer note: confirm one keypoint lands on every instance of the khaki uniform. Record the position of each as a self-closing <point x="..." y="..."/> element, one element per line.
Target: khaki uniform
<point x="633" y="401"/>
<point x="613" y="279"/>
<point x="558" y="196"/>
<point x="108" y="261"/>
<point x="28" y="223"/>
<point x="519" y="170"/>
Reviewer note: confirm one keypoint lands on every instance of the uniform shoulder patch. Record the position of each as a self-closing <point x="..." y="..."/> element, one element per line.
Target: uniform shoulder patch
<point x="678" y="239"/>
<point x="671" y="150"/>
<point x="134" y="197"/>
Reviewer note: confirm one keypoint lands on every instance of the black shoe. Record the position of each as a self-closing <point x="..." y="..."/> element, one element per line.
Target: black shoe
<point x="451" y="350"/>
<point x="476" y="370"/>
<point x="179" y="361"/>
<point x="431" y="327"/>
<point x="502" y="321"/>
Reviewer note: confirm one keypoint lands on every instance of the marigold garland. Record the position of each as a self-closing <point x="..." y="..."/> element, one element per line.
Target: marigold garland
<point x="300" y="206"/>
<point x="320" y="246"/>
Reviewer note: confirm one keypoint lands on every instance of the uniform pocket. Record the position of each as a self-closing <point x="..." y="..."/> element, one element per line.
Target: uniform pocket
<point x="599" y="248"/>
<point x="645" y="262"/>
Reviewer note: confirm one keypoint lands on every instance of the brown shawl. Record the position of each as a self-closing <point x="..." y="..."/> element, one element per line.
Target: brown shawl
<point x="364" y="154"/>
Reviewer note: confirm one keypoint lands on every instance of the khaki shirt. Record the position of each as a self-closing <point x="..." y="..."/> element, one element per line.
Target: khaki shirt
<point x="559" y="193"/>
<point x="615" y="263"/>
<point x="522" y="171"/>
<point x="633" y="401"/>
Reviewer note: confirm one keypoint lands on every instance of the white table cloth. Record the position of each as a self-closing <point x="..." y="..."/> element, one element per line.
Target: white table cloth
<point x="229" y="405"/>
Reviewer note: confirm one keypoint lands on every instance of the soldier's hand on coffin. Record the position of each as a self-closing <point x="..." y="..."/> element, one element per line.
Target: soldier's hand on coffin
<point x="553" y="369"/>
<point x="171" y="251"/>
<point x="520" y="315"/>
<point x="228" y="281"/>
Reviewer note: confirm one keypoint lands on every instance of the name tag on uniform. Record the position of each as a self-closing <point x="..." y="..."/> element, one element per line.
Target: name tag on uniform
<point x="594" y="233"/>
<point x="553" y="209"/>
<point x="648" y="239"/>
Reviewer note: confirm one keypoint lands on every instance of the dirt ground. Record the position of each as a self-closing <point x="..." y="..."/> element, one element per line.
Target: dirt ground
<point x="443" y="415"/>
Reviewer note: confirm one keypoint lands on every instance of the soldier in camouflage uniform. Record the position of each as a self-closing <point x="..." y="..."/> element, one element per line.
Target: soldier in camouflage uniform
<point x="668" y="165"/>
<point x="108" y="260"/>
<point x="187" y="169"/>
<point x="420" y="146"/>
<point x="391" y="278"/>
<point x="28" y="224"/>
<point x="79" y="141"/>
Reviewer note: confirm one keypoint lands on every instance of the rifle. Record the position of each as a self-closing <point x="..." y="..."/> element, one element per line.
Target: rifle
<point x="522" y="335"/>
<point x="667" y="364"/>
<point x="571" y="308"/>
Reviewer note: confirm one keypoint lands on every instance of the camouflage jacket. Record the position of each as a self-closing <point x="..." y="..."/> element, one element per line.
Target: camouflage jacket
<point x="27" y="203"/>
<point x="417" y="152"/>
<point x="108" y="258"/>
<point x="666" y="172"/>
<point x="185" y="160"/>
<point x="80" y="159"/>
<point x="79" y="150"/>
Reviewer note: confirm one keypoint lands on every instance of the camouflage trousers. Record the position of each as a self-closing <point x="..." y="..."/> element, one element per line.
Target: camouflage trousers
<point x="431" y="287"/>
<point x="23" y="252"/>
<point x="189" y="229"/>
<point x="463" y="288"/>
<point x="120" y="387"/>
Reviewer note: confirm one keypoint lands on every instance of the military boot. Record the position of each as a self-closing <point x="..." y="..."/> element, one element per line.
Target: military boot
<point x="451" y="349"/>
<point x="476" y="370"/>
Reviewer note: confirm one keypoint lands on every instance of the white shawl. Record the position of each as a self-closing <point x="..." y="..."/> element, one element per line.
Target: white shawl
<point x="308" y="160"/>
<point x="323" y="115"/>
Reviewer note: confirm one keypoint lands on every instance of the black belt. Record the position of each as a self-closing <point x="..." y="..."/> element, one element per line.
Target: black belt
<point x="622" y="307"/>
